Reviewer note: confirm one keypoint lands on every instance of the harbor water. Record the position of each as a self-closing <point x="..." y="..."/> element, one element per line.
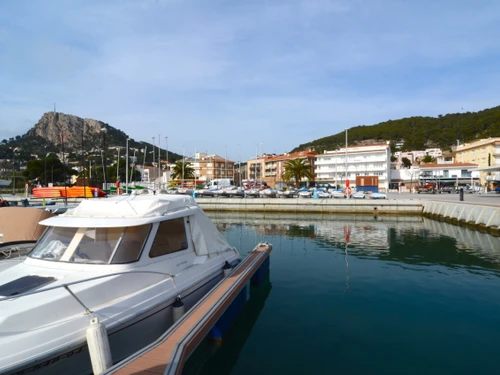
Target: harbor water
<point x="362" y="295"/>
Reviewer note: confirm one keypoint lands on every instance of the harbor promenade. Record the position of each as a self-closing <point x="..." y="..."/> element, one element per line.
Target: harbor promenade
<point x="479" y="211"/>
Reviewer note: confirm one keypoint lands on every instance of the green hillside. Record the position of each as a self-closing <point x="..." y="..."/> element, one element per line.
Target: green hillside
<point x="419" y="132"/>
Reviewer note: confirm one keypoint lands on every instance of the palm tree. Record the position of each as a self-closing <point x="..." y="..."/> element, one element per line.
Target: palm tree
<point x="177" y="170"/>
<point x="428" y="159"/>
<point x="298" y="169"/>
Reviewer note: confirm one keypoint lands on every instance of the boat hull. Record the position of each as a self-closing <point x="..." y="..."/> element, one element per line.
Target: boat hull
<point x="124" y="340"/>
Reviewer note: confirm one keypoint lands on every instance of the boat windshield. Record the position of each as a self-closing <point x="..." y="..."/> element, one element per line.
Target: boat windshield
<point x="92" y="245"/>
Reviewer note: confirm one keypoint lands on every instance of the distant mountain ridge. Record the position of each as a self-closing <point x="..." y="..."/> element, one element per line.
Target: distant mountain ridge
<point x="418" y="132"/>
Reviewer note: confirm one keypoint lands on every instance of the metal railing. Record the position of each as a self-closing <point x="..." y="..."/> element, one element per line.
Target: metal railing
<point x="68" y="285"/>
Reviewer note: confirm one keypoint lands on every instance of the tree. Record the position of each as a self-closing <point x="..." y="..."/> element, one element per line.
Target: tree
<point x="35" y="170"/>
<point x="428" y="159"/>
<point x="393" y="158"/>
<point x="177" y="170"/>
<point x="406" y="162"/>
<point x="298" y="169"/>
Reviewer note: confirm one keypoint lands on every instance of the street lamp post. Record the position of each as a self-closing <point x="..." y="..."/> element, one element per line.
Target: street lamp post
<point x="14" y="171"/>
<point x="261" y="162"/>
<point x="83" y="162"/>
<point x="45" y="167"/>
<point x="166" y="165"/>
<point x="105" y="159"/>
<point x="153" y="162"/>
<point x="348" y="196"/>
<point x="126" y="169"/>
<point x="52" y="173"/>
<point x="118" y="165"/>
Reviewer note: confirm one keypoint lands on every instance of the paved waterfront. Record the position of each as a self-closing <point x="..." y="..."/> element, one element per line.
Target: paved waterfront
<point x="484" y="199"/>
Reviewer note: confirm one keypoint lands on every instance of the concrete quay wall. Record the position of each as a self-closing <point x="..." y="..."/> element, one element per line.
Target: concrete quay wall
<point x="323" y="206"/>
<point x="480" y="217"/>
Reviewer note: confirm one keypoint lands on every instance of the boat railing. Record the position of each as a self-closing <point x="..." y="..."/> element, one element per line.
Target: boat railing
<point x="68" y="285"/>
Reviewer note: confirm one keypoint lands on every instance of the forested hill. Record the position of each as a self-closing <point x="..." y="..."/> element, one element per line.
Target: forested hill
<point x="419" y="132"/>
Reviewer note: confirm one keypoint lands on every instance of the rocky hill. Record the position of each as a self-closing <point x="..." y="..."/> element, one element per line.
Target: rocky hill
<point x="55" y="131"/>
<point x="53" y="125"/>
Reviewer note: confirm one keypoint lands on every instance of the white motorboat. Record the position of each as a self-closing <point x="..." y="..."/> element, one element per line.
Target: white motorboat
<point x="304" y="193"/>
<point x="267" y="193"/>
<point x="253" y="193"/>
<point x="122" y="260"/>
<point x="321" y="193"/>
<point x="378" y="196"/>
<point x="232" y="191"/>
<point x="358" y="195"/>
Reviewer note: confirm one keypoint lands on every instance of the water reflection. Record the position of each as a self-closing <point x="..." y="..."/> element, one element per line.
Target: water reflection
<point x="409" y="240"/>
<point x="365" y="295"/>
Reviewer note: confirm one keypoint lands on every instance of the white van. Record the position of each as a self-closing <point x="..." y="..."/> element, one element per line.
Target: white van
<point x="220" y="182"/>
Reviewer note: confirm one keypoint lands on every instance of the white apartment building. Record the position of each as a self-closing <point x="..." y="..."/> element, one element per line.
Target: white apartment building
<point x="456" y="174"/>
<point x="412" y="156"/>
<point x="367" y="160"/>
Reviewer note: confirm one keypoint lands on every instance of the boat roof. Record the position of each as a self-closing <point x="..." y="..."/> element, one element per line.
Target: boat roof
<point x="126" y="210"/>
<point x="22" y="223"/>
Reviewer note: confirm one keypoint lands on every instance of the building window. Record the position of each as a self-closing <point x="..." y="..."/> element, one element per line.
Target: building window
<point x="170" y="237"/>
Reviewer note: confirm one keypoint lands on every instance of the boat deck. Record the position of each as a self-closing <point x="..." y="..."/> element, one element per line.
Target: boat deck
<point x="169" y="353"/>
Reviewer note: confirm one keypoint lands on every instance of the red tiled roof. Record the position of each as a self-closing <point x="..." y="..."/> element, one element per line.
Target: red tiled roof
<point x="447" y="165"/>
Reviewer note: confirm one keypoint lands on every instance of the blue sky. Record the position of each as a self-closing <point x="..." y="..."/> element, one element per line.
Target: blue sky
<point x="226" y="76"/>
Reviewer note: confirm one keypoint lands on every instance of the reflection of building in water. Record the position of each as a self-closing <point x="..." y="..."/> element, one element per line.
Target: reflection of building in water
<point x="409" y="240"/>
<point x="367" y="233"/>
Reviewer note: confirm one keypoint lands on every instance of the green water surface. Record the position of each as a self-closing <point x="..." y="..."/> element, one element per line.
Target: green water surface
<point x="400" y="296"/>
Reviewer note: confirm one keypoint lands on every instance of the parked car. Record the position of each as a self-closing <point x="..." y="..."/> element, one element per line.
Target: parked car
<point x="447" y="189"/>
<point x="497" y="190"/>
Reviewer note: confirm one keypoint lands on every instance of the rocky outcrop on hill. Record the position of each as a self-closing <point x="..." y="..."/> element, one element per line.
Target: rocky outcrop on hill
<point x="53" y="125"/>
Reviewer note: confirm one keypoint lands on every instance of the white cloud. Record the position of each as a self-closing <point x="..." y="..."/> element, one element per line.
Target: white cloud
<point x="218" y="73"/>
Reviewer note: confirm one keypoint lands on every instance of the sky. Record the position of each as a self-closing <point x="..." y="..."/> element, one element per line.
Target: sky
<point x="240" y="78"/>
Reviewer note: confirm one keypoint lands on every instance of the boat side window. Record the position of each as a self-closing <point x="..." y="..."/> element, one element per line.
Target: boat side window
<point x="170" y="237"/>
<point x="53" y="243"/>
<point x="131" y="244"/>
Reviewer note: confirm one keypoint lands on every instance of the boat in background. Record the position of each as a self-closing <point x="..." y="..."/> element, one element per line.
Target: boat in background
<point x="304" y="193"/>
<point x="123" y="260"/>
<point x="68" y="192"/>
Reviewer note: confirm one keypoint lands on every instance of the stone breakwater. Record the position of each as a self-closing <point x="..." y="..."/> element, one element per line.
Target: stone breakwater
<point x="481" y="217"/>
